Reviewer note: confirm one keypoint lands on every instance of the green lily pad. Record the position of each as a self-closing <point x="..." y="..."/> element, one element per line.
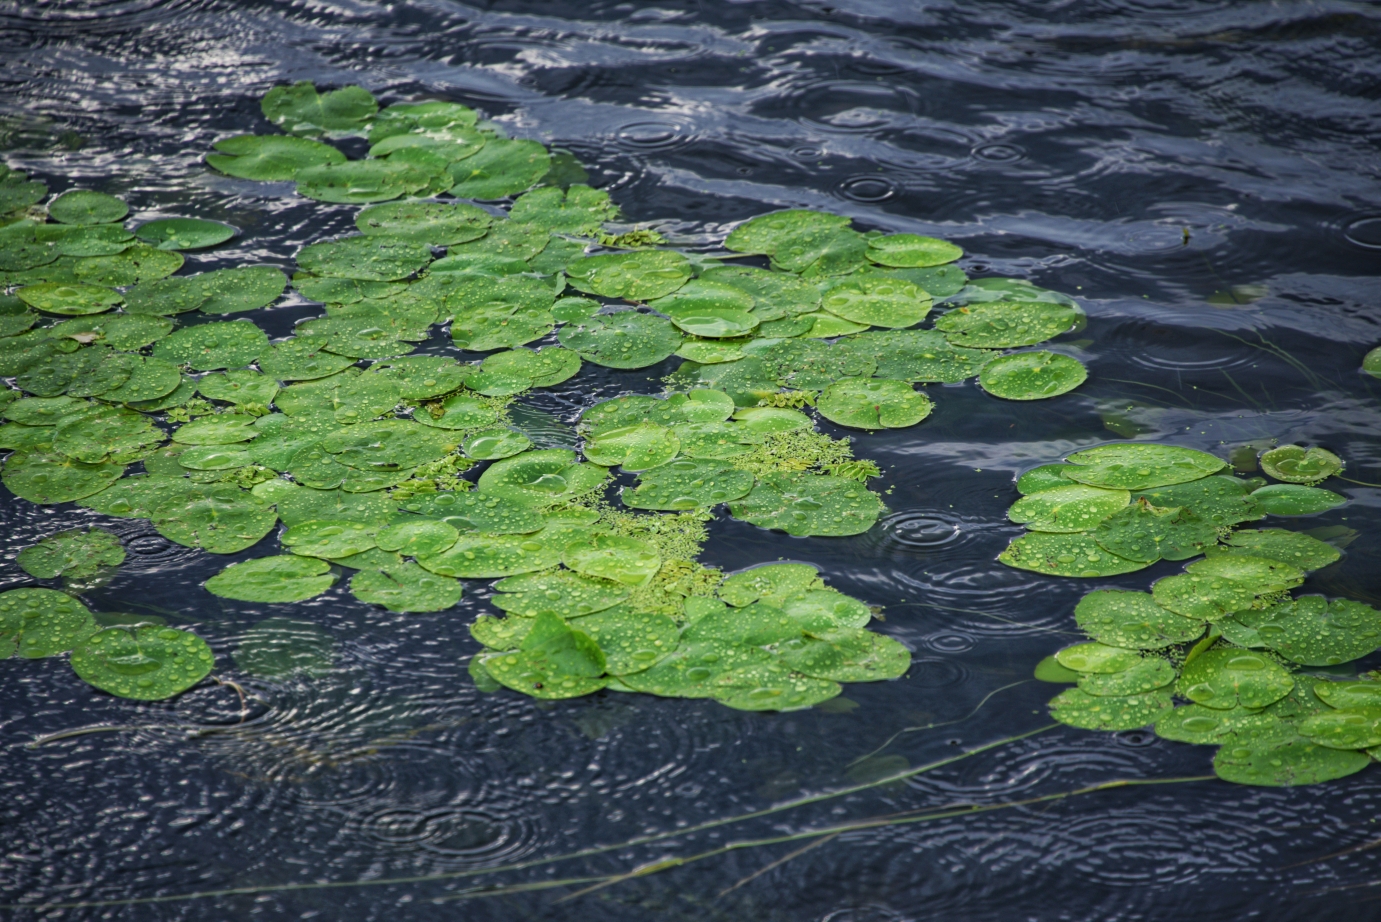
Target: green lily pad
<point x="270" y="158"/>
<point x="1292" y="499"/>
<point x="1371" y="362"/>
<point x="624" y="340"/>
<point x="41" y="622"/>
<point x="286" y="578"/>
<point x="501" y="633"/>
<point x="110" y="371"/>
<point x="1141" y="466"/>
<point x="1299" y="550"/>
<point x="210" y="346"/>
<point x="772" y="583"/>
<point x="912" y="251"/>
<point x="873" y="403"/>
<point x="1344" y="728"/>
<point x="495" y="444"/>
<point x="240" y="387"/>
<point x="1068" y="507"/>
<point x="1225" y="677"/>
<point x="74" y="554"/>
<point x="1049" y="670"/>
<point x="300" y="109"/>
<point x="75" y="240"/>
<point x="432" y="223"/>
<point x="46" y="478"/>
<point x="1143" y="675"/>
<point x="329" y="539"/>
<point x="626" y="561"/>
<point x="300" y="504"/>
<point x="499" y="326"/>
<point x="1133" y="620"/>
<point x="221" y="429"/>
<point x="918" y="356"/>
<point x="421" y="377"/>
<point x="147" y="663"/>
<point x="809" y="504"/>
<point x="574" y="310"/>
<point x="1111" y="713"/>
<point x="578" y="210"/>
<point x="119" y="331"/>
<point x="807" y="365"/>
<point x="554" y="661"/>
<point x="302" y="359"/>
<point x="687" y="484"/>
<point x="417" y="539"/>
<point x="546" y="367"/>
<point x="407" y="588"/>
<point x="825" y="612"/>
<point x="1148" y="533"/>
<point x="183" y="233"/>
<point x="630" y="641"/>
<point x="1285" y="762"/>
<point x="136" y="264"/>
<point x="1221" y="499"/>
<point x="745" y="381"/>
<point x="492" y="556"/>
<point x="277" y="648"/>
<point x="153" y="385"/>
<point x="1315" y="631"/>
<point x="243" y="288"/>
<point x="1195" y="723"/>
<point x="368" y="258"/>
<point x="1065" y="555"/>
<point x="1293" y="464"/>
<point x="878" y="301"/>
<point x="218" y="518"/>
<point x="637" y="447"/>
<point x="825" y="325"/>
<point x="84" y="207"/>
<point x="389" y="445"/>
<point x="1364" y="694"/>
<point x="459" y="411"/>
<point x="1257" y="573"/>
<point x="70" y="300"/>
<point x="640" y="275"/>
<point x="365" y="397"/>
<point x="766" y="233"/>
<point x="767" y="420"/>
<point x="501" y="168"/>
<point x="774" y="294"/>
<point x="709" y="321"/>
<point x="1202" y="597"/>
<point x="1006" y="324"/>
<point x="1032" y="375"/>
<point x="560" y="592"/>
<point x="1097" y="658"/>
<point x="361" y="182"/>
<point x="715" y="441"/>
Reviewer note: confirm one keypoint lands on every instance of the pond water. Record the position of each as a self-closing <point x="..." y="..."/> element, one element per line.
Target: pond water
<point x="1201" y="176"/>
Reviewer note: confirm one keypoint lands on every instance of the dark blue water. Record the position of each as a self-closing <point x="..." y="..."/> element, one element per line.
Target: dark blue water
<point x="1203" y="176"/>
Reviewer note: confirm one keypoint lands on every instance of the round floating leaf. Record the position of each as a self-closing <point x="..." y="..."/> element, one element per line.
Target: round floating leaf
<point x="1067" y="507"/>
<point x="546" y="367"/>
<point x="1148" y="533"/>
<point x="147" y="663"/>
<point x="773" y="583"/>
<point x="432" y="223"/>
<point x="277" y="648"/>
<point x="715" y="441"/>
<point x="47" y="478"/>
<point x="74" y="554"/>
<point x="1292" y="499"/>
<point x="765" y="234"/>
<point x="1032" y="375"/>
<point x="709" y="321"/>
<point x="624" y="340"/>
<point x="878" y="301"/>
<point x="72" y="240"/>
<point x="912" y="250"/>
<point x="501" y="168"/>
<point x="773" y="293"/>
<point x="746" y="381"/>
<point x="209" y="346"/>
<point x="1144" y="675"/>
<point x="1195" y="723"/>
<point x="637" y="448"/>
<point x="221" y="429"/>
<point x="460" y="411"/>
<point x="687" y="484"/>
<point x="1345" y="728"/>
<point x="1298" y="550"/>
<point x="329" y="539"/>
<point x="270" y="158"/>
<point x="1225" y="677"/>
<point x="82" y="206"/>
<point x="640" y="275"/>
<point x="407" y="588"/>
<point x="417" y="539"/>
<point x="766" y="420"/>
<point x="1371" y="362"/>
<point x="578" y="210"/>
<point x="1223" y="499"/>
<point x="1294" y="464"/>
<point x="627" y="561"/>
<point x="825" y="325"/>
<point x="389" y="445"/>
<point x="300" y="504"/>
<point x="243" y="288"/>
<point x="709" y="352"/>
<point x="809" y="504"/>
<point x="420" y="377"/>
<point x="491" y="556"/>
<point x="218" y="518"/>
<point x="560" y="592"/>
<point x="1287" y="762"/>
<point x="119" y="331"/>
<point x="1133" y="620"/>
<point x="184" y="233"/>
<point x="918" y="355"/>
<point x="286" y="578"/>
<point x="1097" y="658"/>
<point x="1006" y="324"/>
<point x="136" y="264"/>
<point x="368" y="258"/>
<point x="499" y="326"/>
<point x="847" y="656"/>
<point x="361" y="182"/>
<point x="480" y="513"/>
<point x="1065" y="555"/>
<point x="1049" y="670"/>
<point x="494" y="444"/>
<point x="300" y="109"/>
<point x="767" y="687"/>
<point x="1141" y="466"/>
<point x="1257" y="573"/>
<point x="70" y="300"/>
<point x="1202" y="597"/>
<point x="630" y="641"/>
<point x="1314" y="631"/>
<point x="573" y="310"/>
<point x="500" y="633"/>
<point x="114" y="434"/>
<point x="1078" y="708"/>
<point x="873" y="403"/>
<point x="240" y="387"/>
<point x="823" y="612"/>
<point x="41" y="622"/>
<point x="1365" y="694"/>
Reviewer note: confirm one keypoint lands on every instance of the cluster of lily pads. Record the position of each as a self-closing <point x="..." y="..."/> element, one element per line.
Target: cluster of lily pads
<point x="1120" y="508"/>
<point x="126" y="655"/>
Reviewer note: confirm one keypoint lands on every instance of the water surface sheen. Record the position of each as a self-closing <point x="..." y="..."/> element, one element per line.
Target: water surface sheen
<point x="1202" y="175"/>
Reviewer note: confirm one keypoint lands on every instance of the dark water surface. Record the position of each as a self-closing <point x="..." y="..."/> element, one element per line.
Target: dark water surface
<point x="1075" y="144"/>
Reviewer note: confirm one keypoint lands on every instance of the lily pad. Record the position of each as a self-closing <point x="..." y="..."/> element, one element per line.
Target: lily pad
<point x="640" y="275"/>
<point x="1371" y="362"/>
<point x="687" y="484"/>
<point x="1257" y="573"/>
<point x="637" y="447"/>
<point x="300" y="504"/>
<point x="546" y="367"/>
<point x="501" y="168"/>
<point x="1067" y="508"/>
<point x="1133" y="620"/>
<point x="912" y="251"/>
<point x="873" y="403"/>
<point x="459" y="411"/>
<point x="329" y="539"/>
<point x="1285" y="762"/>
<point x="626" y="561"/>
<point x="1364" y="694"/>
<point x="270" y="158"/>
<point x="577" y="210"/>
<point x="1294" y="464"/>
<point x="500" y="326"/>
<point x="70" y="300"/>
<point x="1292" y="499"/>
<point x="1148" y="533"/>
<point x="130" y="266"/>
<point x="1315" y="631"/>
<point x="50" y="477"/>
<point x="809" y="504"/>
<point x="1032" y="375"/>
<point x="1141" y="466"/>
<point x="494" y="444"/>
<point x="1006" y="324"/>
<point x="554" y="661"/>
<point x="1223" y="500"/>
<point x="240" y="387"/>
<point x="1202" y="597"/>
<point x="918" y="356"/>
<point x="210" y="346"/>
<point x="147" y="663"/>
<point x="74" y="554"/>
<point x="183" y="233"/>
<point x="361" y="182"/>
<point x="1111" y="713"/>
<point x="878" y="301"/>
<point x="420" y="377"/>
<point x="218" y="518"/>
<point x="631" y="641"/>
<point x="624" y="340"/>
<point x="491" y="556"/>
<point x="367" y="258"/>
<point x="220" y="429"/>
<point x="1298" y="550"/>
<point x="388" y="445"/>
<point x="559" y="592"/>
<point x="1076" y="555"/>
<point x="407" y="588"/>
<point x="41" y="622"/>
<point x="1225" y="678"/>
<point x="300" y="109"/>
<point x="417" y="539"/>
<point x="432" y="223"/>
<point x="281" y="579"/>
<point x="1195" y="723"/>
<point x="84" y="207"/>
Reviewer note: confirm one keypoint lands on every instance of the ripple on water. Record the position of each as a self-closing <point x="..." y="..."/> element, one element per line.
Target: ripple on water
<point x="1163" y="347"/>
<point x="462" y="834"/>
<point x="648" y="136"/>
<point x="1364" y="231"/>
<point x="999" y="153"/>
<point x="867" y="188"/>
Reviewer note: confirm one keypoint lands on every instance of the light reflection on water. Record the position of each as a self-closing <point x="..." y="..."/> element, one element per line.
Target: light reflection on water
<point x="1074" y="145"/>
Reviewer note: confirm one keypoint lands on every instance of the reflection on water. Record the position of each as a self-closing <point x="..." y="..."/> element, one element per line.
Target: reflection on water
<point x="1148" y="156"/>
